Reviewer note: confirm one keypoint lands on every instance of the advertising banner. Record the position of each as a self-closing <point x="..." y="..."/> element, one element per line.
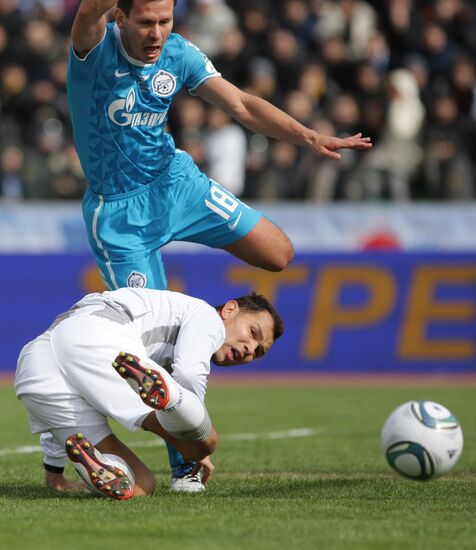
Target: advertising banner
<point x="367" y="312"/>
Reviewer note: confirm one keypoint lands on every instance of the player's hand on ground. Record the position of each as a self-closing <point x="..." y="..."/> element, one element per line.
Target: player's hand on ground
<point x="207" y="468"/>
<point x="327" y="146"/>
<point x="58" y="482"/>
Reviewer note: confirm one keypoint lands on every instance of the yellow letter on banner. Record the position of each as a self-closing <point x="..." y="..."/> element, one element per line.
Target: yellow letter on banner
<point x="327" y="314"/>
<point x="423" y="309"/>
<point x="90" y="279"/>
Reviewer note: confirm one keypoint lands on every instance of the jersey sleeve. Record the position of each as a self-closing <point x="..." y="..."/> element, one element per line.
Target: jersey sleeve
<point x="198" y="339"/>
<point x="82" y="68"/>
<point x="197" y="67"/>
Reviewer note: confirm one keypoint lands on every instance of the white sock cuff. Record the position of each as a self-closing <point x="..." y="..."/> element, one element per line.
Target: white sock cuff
<point x="187" y="419"/>
<point x="197" y="433"/>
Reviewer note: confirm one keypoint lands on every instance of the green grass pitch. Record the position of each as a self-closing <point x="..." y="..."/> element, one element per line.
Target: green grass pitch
<point x="328" y="487"/>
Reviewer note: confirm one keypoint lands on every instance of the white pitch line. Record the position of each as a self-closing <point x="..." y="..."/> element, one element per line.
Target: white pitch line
<point x="21" y="450"/>
<point x="287" y="434"/>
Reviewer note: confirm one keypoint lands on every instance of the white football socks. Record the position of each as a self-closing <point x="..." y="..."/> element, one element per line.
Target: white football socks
<point x="185" y="416"/>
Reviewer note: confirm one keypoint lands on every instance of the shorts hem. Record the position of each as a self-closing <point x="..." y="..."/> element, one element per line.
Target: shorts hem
<point x="235" y="236"/>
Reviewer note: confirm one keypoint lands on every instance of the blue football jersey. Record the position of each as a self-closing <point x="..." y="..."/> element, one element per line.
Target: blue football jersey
<point x="119" y="109"/>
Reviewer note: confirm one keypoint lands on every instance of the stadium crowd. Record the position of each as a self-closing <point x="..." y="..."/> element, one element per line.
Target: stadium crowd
<point x="401" y="71"/>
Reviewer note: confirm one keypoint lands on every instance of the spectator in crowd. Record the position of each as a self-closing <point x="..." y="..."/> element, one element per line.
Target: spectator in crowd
<point x="206" y="20"/>
<point x="339" y="65"/>
<point x="448" y="143"/>
<point x="296" y="17"/>
<point x="316" y="84"/>
<point x="278" y="178"/>
<point x="11" y="18"/>
<point x="233" y="59"/>
<point x="189" y="121"/>
<point x="458" y="18"/>
<point x="400" y="21"/>
<point x="262" y="79"/>
<point x="353" y="20"/>
<point x="448" y="173"/>
<point x="11" y="182"/>
<point x="40" y="47"/>
<point x="438" y="50"/>
<point x="345" y="114"/>
<point x="323" y="178"/>
<point x="462" y="80"/>
<point x="13" y="103"/>
<point x="397" y="157"/>
<point x="370" y="96"/>
<point x="225" y="150"/>
<point x="4" y="39"/>
<point x="377" y="52"/>
<point x="327" y="61"/>
<point x="419" y="68"/>
<point x="288" y="59"/>
<point x="257" y="21"/>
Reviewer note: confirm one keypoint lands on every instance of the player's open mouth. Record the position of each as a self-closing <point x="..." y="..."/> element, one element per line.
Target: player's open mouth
<point x="232" y="354"/>
<point x="151" y="51"/>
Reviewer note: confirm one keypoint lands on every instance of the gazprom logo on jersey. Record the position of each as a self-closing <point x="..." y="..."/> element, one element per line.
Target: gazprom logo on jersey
<point x="120" y="112"/>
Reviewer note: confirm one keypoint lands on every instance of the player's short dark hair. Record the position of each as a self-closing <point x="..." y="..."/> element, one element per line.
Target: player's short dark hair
<point x="126" y="5"/>
<point x="258" y="302"/>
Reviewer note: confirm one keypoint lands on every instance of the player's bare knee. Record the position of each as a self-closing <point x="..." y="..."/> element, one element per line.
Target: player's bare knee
<point x="197" y="450"/>
<point x="205" y="448"/>
<point x="211" y="442"/>
<point x="281" y="257"/>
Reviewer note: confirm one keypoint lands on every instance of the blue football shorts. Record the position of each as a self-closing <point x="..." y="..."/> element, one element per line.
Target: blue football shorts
<point x="127" y="231"/>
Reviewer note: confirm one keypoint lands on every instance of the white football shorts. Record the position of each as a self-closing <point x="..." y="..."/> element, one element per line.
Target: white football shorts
<point x="65" y="378"/>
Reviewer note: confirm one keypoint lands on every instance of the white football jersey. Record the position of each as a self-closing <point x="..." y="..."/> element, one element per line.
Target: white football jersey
<point x="179" y="332"/>
<point x="65" y="376"/>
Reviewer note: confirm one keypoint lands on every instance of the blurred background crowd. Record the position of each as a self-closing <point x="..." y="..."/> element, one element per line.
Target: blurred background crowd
<point x="399" y="71"/>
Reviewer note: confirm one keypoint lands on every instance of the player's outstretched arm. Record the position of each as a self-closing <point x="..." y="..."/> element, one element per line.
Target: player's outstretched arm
<point x="89" y="25"/>
<point x="264" y="118"/>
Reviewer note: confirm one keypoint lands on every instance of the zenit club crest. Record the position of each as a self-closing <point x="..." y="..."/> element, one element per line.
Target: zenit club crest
<point x="164" y="83"/>
<point x="136" y="280"/>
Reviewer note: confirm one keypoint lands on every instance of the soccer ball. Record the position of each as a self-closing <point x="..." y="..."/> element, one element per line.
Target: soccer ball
<point x="422" y="440"/>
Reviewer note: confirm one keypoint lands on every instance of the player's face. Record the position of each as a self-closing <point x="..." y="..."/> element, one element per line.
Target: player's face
<point x="146" y="28"/>
<point x="249" y="335"/>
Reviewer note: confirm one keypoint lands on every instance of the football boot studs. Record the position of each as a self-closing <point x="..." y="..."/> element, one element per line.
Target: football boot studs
<point x="103" y="478"/>
<point x="146" y="382"/>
